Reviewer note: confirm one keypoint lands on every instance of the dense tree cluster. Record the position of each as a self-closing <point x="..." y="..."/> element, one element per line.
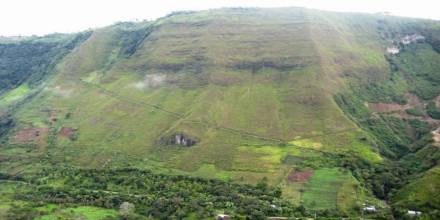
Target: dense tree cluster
<point x="31" y="60"/>
<point x="6" y="123"/>
<point x="432" y="110"/>
<point x="160" y="196"/>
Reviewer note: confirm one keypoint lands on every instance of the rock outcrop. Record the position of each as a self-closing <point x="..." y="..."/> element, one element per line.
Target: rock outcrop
<point x="178" y="139"/>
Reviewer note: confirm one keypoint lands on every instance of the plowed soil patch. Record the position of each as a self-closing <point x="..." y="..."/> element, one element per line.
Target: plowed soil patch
<point x="300" y="176"/>
<point x="3" y="158"/>
<point x="30" y="134"/>
<point x="436" y="136"/>
<point x="385" y="107"/>
<point x="67" y="132"/>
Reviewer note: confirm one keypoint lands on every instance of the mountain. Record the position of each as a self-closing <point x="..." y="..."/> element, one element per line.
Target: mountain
<point x="317" y="112"/>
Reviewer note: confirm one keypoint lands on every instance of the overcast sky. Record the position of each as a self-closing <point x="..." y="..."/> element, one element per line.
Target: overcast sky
<point x="28" y="17"/>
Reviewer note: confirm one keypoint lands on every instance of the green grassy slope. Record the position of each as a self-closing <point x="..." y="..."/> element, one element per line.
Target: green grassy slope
<point x="421" y="193"/>
<point x="265" y="101"/>
<point x="255" y="88"/>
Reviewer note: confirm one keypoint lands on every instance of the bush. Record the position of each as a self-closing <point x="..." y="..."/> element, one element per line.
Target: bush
<point x="32" y="60"/>
<point x="432" y="110"/>
<point x="158" y="195"/>
<point x="414" y="111"/>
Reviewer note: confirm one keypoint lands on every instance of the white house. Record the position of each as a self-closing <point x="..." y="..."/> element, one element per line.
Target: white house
<point x="393" y="50"/>
<point x="370" y="209"/>
<point x="412" y="38"/>
<point x="223" y="217"/>
<point x="414" y="213"/>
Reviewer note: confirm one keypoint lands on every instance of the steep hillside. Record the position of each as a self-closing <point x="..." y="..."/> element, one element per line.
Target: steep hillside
<point x="337" y="110"/>
<point x="28" y="60"/>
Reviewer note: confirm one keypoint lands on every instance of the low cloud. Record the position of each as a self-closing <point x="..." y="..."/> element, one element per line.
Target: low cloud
<point x="151" y="81"/>
<point x="57" y="90"/>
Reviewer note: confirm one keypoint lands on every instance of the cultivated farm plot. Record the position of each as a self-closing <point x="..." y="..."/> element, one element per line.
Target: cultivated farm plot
<point x="81" y="212"/>
<point x="327" y="187"/>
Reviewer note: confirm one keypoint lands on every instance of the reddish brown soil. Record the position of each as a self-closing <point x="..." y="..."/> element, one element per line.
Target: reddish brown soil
<point x="3" y="158"/>
<point x="385" y="107"/>
<point x="425" y="118"/>
<point x="436" y="136"/>
<point x="399" y="110"/>
<point x="300" y="176"/>
<point x="67" y="132"/>
<point x="412" y="99"/>
<point x="30" y="134"/>
<point x="52" y="117"/>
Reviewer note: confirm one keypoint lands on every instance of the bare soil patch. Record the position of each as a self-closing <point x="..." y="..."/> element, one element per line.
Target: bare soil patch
<point x="299" y="176"/>
<point x="413" y="101"/>
<point x="3" y="158"/>
<point x="52" y="117"/>
<point x="385" y="107"/>
<point x="30" y="134"/>
<point x="398" y="110"/>
<point x="67" y="132"/>
<point x="425" y="118"/>
<point x="436" y="136"/>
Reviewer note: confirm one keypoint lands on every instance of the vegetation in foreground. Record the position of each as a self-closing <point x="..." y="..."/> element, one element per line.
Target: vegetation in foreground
<point x="68" y="191"/>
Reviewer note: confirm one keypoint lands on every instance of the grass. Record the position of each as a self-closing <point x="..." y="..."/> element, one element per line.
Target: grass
<point x="414" y="111"/>
<point x="419" y="63"/>
<point x="83" y="212"/>
<point x="330" y="188"/>
<point x="307" y="143"/>
<point x="7" y="200"/>
<point x="272" y="102"/>
<point x="210" y="171"/>
<point x="420" y="193"/>
<point x="50" y="211"/>
<point x="14" y="95"/>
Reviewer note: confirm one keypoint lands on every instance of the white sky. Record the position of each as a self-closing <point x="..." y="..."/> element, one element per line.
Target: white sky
<point x="27" y="17"/>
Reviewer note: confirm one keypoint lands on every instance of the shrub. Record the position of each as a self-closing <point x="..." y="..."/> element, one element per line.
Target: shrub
<point x="414" y="111"/>
<point x="432" y="110"/>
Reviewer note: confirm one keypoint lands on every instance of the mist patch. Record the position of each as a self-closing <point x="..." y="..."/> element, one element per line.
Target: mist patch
<point x="151" y="81"/>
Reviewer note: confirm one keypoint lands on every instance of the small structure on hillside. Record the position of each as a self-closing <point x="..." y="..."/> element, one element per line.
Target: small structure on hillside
<point x="393" y="50"/>
<point x="400" y="44"/>
<point x="370" y="208"/>
<point x="412" y="38"/>
<point x="223" y="217"/>
<point x="414" y="213"/>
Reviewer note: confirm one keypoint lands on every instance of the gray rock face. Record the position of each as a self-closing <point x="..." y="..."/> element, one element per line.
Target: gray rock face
<point x="178" y="139"/>
<point x="126" y="209"/>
